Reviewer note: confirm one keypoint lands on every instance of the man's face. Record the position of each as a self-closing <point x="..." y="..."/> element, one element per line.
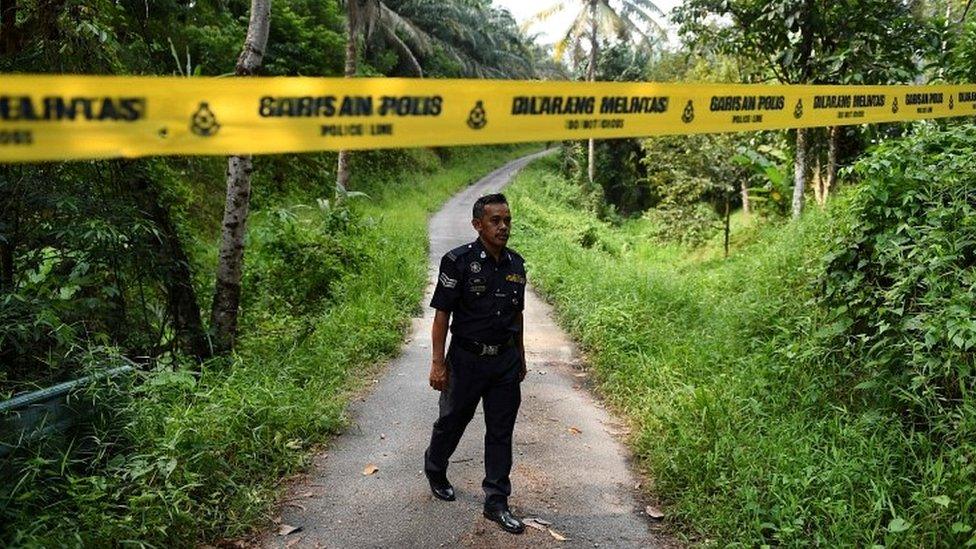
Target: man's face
<point x="495" y="225"/>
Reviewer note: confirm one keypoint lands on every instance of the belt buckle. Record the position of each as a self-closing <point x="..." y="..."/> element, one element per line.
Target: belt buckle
<point x="489" y="350"/>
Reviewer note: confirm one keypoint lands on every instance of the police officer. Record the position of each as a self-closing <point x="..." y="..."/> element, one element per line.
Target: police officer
<point x="482" y="286"/>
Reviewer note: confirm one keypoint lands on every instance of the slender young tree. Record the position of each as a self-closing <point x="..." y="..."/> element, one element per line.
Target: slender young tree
<point x="627" y="19"/>
<point x="227" y="295"/>
<point x="352" y="66"/>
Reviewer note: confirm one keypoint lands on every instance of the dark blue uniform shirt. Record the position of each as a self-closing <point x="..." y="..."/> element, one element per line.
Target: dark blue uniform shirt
<point x="483" y="296"/>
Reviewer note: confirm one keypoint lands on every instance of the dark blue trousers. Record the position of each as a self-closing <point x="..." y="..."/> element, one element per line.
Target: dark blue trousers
<point x="495" y="382"/>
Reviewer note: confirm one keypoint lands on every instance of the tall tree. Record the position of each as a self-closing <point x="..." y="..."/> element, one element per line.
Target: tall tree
<point x="810" y="42"/>
<point x="227" y="295"/>
<point x="603" y="19"/>
<point x="482" y="40"/>
<point x="363" y="18"/>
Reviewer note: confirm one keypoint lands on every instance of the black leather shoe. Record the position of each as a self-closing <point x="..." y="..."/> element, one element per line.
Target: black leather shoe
<point x="507" y="521"/>
<point x="442" y="491"/>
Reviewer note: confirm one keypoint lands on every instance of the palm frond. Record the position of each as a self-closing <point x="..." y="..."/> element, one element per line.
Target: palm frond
<point x="544" y="15"/>
<point x="645" y="5"/>
<point x="634" y="13"/>
<point x="574" y="34"/>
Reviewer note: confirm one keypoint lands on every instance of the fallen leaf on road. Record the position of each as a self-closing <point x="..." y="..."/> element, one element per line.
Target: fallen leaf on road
<point x="574" y="430"/>
<point x="370" y="469"/>
<point x="297" y="506"/>
<point x="534" y="523"/>
<point x="293" y="542"/>
<point x="287" y="529"/>
<point x="557" y="536"/>
<point x="579" y="375"/>
<point x="654" y="512"/>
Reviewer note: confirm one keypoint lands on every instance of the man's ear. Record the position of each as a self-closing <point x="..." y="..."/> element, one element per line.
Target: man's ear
<point x="476" y="223"/>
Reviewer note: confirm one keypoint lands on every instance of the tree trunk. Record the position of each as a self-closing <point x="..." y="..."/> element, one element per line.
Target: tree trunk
<point x="833" y="148"/>
<point x="406" y="55"/>
<point x="223" y="318"/>
<point x="8" y="27"/>
<point x="352" y="66"/>
<point x="181" y="297"/>
<point x="944" y="46"/>
<point x="799" y="172"/>
<point x="818" y="181"/>
<point x="728" y="222"/>
<point x="746" y="209"/>
<point x="806" y="69"/>
<point x="591" y="76"/>
<point x="10" y="209"/>
<point x="47" y="20"/>
<point x="6" y="264"/>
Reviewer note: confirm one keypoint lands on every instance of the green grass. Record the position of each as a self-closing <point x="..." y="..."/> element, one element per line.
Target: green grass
<point x="752" y="435"/>
<point x="192" y="459"/>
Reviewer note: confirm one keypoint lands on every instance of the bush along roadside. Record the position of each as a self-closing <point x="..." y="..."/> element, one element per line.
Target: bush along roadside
<point x="177" y="457"/>
<point x="813" y="389"/>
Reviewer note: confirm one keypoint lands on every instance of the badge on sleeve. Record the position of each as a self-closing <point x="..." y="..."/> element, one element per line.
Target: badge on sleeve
<point x="447" y="281"/>
<point x="515" y="278"/>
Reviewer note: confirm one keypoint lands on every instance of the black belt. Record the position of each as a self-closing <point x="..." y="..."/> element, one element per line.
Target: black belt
<point x="483" y="349"/>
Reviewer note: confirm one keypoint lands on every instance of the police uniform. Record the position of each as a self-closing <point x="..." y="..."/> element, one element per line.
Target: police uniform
<point x="484" y="363"/>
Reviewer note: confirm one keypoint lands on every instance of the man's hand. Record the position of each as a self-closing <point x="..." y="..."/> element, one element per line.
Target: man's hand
<point x="438" y="375"/>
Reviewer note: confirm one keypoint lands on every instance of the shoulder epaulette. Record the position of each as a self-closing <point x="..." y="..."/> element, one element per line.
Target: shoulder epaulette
<point x="454" y="254"/>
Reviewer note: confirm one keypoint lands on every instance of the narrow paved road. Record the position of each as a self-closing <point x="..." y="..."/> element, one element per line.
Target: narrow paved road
<point x="570" y="468"/>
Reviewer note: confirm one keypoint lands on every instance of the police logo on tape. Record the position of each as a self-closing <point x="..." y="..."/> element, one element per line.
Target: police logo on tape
<point x="478" y="117"/>
<point x="204" y="121"/>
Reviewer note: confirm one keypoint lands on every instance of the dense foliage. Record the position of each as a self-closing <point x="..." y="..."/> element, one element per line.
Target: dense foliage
<point x="108" y="259"/>
<point x="813" y="389"/>
<point x="103" y="258"/>
<point x="900" y="279"/>
<point x="176" y="458"/>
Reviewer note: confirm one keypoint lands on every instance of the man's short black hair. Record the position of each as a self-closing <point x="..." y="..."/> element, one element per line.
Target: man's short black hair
<point x="479" y="206"/>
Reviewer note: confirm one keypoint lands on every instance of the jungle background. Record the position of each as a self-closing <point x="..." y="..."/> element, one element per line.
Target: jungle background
<point x="786" y="316"/>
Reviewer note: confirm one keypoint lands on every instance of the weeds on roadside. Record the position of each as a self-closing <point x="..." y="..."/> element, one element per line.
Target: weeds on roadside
<point x="760" y="412"/>
<point x="182" y="457"/>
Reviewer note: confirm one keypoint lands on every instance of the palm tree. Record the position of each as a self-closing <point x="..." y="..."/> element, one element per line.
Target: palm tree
<point x="366" y="17"/>
<point x="623" y="19"/>
<point x="484" y="41"/>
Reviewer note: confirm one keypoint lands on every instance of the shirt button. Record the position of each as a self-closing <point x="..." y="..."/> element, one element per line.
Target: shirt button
<point x="498" y="313"/>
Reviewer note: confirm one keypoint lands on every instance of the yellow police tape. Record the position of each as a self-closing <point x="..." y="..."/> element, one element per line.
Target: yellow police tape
<point x="78" y="117"/>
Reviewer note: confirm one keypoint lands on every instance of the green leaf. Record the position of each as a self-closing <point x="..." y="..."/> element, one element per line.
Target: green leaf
<point x="960" y="528"/>
<point x="898" y="525"/>
<point x="942" y="500"/>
